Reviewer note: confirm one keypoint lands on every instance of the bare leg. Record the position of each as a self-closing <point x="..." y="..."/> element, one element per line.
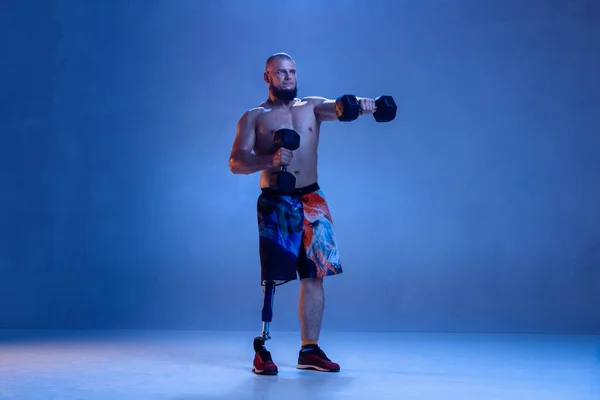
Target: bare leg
<point x="310" y="308"/>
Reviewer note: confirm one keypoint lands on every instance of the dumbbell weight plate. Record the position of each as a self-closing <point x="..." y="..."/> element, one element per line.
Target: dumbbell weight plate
<point x="386" y="109"/>
<point x="282" y="182"/>
<point x="347" y="107"/>
<point x="286" y="138"/>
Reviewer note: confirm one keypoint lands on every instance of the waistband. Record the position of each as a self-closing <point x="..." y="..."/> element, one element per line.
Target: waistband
<point x="313" y="187"/>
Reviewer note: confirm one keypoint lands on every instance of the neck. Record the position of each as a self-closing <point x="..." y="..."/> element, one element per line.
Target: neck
<point x="278" y="102"/>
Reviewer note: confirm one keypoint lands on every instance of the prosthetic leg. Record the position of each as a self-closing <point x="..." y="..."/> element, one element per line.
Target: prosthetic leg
<point x="267" y="316"/>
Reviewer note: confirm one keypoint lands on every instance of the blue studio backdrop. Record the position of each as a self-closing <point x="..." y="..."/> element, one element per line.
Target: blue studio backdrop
<point x="477" y="209"/>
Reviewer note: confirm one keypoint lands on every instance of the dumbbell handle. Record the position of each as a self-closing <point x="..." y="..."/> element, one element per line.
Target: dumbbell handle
<point x="360" y="110"/>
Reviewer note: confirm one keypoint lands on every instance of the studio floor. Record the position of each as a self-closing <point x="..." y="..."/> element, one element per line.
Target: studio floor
<point x="134" y="365"/>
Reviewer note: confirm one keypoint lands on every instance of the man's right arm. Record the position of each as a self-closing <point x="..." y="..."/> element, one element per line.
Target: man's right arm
<point x="242" y="160"/>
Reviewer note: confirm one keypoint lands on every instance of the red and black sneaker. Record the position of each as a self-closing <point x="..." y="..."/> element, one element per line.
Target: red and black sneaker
<point x="263" y="363"/>
<point x="315" y="358"/>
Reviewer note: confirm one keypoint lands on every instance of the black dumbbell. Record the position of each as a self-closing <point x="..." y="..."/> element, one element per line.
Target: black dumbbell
<point x="385" y="109"/>
<point x="347" y="108"/>
<point x="283" y="181"/>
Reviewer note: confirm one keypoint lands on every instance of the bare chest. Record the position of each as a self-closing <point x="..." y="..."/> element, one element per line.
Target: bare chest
<point x="300" y="118"/>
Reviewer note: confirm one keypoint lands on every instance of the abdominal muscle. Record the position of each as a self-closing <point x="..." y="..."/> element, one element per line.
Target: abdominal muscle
<point x="303" y="167"/>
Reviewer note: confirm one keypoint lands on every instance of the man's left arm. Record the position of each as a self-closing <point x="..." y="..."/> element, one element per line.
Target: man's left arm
<point x="325" y="108"/>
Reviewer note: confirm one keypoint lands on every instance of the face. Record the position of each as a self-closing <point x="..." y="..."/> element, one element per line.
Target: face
<point x="281" y="78"/>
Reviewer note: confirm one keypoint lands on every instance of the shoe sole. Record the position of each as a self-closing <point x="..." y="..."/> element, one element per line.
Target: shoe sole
<point x="314" y="367"/>
<point x="266" y="372"/>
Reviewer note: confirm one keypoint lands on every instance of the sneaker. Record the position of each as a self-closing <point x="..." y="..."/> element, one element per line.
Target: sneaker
<point x="263" y="363"/>
<point x="316" y="359"/>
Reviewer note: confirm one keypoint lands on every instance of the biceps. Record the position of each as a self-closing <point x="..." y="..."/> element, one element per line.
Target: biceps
<point x="326" y="110"/>
<point x="244" y="139"/>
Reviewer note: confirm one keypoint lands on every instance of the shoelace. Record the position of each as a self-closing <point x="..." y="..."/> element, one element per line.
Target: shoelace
<point x="319" y="353"/>
<point x="265" y="355"/>
<point x="322" y="355"/>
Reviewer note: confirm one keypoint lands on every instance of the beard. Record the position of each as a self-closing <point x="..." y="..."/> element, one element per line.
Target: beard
<point x="285" y="94"/>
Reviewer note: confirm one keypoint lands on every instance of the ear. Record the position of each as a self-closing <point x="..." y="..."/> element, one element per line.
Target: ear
<point x="266" y="77"/>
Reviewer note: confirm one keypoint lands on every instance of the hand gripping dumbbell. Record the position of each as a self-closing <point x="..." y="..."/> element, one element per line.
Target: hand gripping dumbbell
<point x="347" y="108"/>
<point x="283" y="181"/>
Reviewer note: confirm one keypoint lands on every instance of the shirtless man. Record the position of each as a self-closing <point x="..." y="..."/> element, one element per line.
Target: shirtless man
<point x="295" y="230"/>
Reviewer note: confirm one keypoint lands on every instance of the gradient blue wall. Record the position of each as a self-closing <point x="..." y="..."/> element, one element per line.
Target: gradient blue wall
<point x="477" y="209"/>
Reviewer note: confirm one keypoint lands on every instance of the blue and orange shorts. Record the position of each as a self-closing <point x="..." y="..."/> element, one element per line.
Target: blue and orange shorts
<point x="296" y="237"/>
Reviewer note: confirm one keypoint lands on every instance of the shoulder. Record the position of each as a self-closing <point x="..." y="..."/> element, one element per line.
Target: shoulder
<point x="314" y="100"/>
<point x="251" y="114"/>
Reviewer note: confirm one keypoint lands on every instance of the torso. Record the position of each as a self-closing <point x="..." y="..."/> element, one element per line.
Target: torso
<point x="300" y="117"/>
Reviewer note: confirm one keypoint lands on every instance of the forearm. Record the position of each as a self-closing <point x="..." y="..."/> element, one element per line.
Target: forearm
<point x="246" y="163"/>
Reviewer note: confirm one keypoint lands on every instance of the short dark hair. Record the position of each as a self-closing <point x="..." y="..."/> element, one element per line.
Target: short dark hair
<point x="277" y="56"/>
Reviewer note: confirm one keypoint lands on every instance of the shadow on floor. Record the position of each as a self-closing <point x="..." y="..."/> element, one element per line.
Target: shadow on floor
<point x="298" y="384"/>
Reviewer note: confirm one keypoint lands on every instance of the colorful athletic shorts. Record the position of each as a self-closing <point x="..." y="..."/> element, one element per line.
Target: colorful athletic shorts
<point x="296" y="237"/>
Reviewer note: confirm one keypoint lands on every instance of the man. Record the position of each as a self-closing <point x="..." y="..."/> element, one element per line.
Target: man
<point x="295" y="230"/>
